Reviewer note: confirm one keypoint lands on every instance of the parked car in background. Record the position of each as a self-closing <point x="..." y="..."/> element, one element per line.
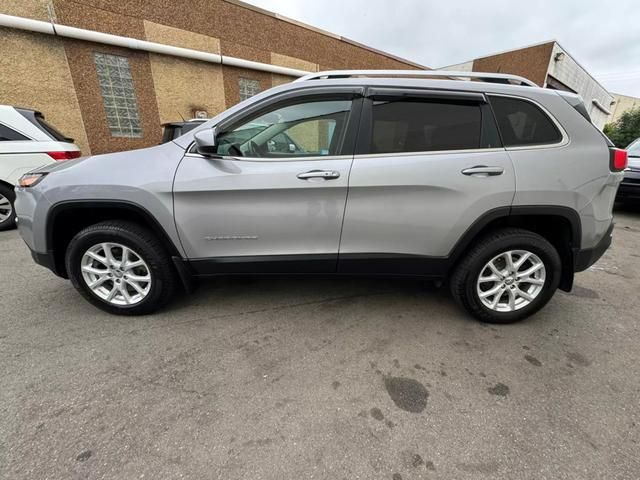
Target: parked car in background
<point x="173" y="130"/>
<point x="27" y="141"/>
<point x="343" y="173"/>
<point x="629" y="190"/>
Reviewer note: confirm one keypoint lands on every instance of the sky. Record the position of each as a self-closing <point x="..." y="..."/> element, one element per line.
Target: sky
<point x="603" y="36"/>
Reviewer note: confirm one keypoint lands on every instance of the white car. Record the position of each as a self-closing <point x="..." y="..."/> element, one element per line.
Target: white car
<point x="26" y="142"/>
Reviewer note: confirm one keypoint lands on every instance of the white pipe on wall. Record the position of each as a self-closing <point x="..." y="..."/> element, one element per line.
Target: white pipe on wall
<point x="135" y="44"/>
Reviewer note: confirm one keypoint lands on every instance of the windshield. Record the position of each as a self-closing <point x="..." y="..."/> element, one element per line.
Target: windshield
<point x="633" y="150"/>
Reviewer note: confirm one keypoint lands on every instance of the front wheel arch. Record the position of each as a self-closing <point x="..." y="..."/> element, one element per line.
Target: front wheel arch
<point x="66" y="219"/>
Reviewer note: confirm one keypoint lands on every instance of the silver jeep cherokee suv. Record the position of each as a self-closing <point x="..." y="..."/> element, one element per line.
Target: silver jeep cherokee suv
<point x="501" y="187"/>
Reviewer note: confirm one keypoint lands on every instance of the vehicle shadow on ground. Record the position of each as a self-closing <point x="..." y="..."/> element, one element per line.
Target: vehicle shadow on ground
<point x="287" y="289"/>
<point x="318" y="284"/>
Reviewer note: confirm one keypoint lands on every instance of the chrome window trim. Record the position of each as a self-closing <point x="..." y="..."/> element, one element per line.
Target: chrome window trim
<point x="315" y="158"/>
<point x="430" y="152"/>
<point x="566" y="140"/>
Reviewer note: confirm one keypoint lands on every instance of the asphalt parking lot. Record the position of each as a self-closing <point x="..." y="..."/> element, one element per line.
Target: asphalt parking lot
<point x="320" y="378"/>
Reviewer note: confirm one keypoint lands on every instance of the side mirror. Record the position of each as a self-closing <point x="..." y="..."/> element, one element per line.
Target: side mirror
<point x="206" y="142"/>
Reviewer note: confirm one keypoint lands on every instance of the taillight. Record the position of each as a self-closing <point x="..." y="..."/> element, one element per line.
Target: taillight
<point x="618" y="159"/>
<point x="57" y="156"/>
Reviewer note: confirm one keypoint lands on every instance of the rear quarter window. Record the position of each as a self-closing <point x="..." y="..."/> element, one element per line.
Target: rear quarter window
<point x="523" y="123"/>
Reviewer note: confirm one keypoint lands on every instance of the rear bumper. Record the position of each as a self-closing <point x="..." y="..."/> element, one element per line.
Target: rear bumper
<point x="584" y="258"/>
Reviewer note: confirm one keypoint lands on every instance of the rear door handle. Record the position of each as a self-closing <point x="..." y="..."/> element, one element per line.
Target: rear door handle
<point x="326" y="174"/>
<point x="483" y="171"/>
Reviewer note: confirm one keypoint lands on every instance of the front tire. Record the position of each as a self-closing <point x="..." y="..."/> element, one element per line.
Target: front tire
<point x="121" y="268"/>
<point x="7" y="210"/>
<point x="508" y="276"/>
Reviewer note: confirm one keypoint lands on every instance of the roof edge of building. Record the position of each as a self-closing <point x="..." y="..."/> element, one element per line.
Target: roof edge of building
<point x="624" y="95"/>
<point x="292" y="21"/>
<point x="538" y="44"/>
<point x="583" y="68"/>
<point x="501" y="52"/>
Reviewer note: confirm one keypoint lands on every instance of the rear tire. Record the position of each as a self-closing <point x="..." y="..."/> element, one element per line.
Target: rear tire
<point x="121" y="268"/>
<point x="492" y="266"/>
<point x="7" y="209"/>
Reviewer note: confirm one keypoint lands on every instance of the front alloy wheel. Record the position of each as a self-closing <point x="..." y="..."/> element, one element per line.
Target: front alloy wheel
<point x="116" y="274"/>
<point x="121" y="267"/>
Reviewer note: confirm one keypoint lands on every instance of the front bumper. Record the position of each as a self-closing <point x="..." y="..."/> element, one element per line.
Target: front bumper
<point x="586" y="257"/>
<point x="46" y="260"/>
<point x="31" y="209"/>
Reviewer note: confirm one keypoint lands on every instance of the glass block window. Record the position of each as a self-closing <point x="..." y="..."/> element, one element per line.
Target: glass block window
<point x="118" y="94"/>
<point x="248" y="88"/>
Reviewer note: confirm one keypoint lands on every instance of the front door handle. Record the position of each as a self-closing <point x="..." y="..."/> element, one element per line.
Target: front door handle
<point x="326" y="174"/>
<point x="483" y="171"/>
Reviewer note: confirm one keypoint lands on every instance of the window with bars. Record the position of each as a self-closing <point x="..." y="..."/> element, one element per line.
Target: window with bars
<point x="248" y="88"/>
<point x="118" y="94"/>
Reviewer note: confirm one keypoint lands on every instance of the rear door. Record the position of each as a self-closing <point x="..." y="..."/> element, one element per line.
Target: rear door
<point x="428" y="165"/>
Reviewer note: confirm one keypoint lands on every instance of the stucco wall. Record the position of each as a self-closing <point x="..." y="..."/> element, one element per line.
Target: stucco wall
<point x="166" y="87"/>
<point x="231" y="22"/>
<point x="85" y="80"/>
<point x="289" y="62"/>
<point x="34" y="74"/>
<point x="183" y="86"/>
<point x="36" y="9"/>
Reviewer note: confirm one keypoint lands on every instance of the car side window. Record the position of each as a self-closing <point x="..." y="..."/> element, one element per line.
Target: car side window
<point x="418" y="125"/>
<point x="9" y="135"/>
<point x="309" y="129"/>
<point x="523" y="123"/>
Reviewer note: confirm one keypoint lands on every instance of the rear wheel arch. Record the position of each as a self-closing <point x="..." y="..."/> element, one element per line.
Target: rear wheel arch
<point x="561" y="226"/>
<point x="66" y="219"/>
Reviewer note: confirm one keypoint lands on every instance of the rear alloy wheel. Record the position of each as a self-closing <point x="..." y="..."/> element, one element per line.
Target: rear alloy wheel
<point x="7" y="212"/>
<point x="509" y="275"/>
<point x="121" y="268"/>
<point x="511" y="281"/>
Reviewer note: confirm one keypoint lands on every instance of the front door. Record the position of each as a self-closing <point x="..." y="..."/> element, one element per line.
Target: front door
<point x="275" y="199"/>
<point x="430" y="164"/>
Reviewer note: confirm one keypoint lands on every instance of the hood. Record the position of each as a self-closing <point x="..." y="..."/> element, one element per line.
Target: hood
<point x="131" y="169"/>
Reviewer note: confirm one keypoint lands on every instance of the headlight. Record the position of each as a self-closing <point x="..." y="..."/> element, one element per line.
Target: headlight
<point x="31" y="179"/>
